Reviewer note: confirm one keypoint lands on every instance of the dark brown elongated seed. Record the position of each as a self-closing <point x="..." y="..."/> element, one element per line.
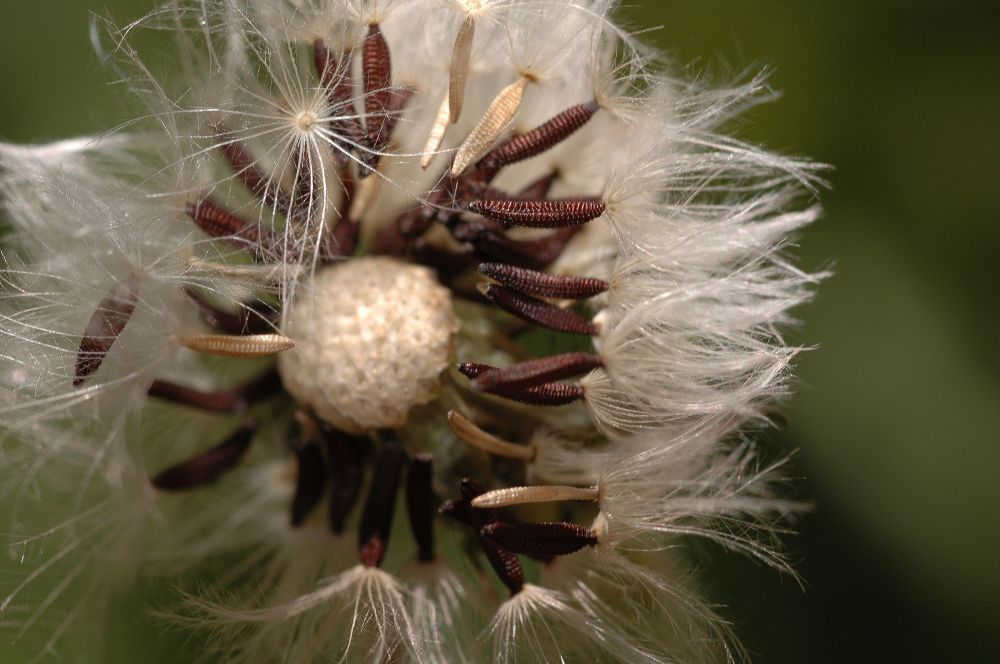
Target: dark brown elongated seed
<point x="376" y="518"/>
<point x="542" y="540"/>
<point x="540" y="214"/>
<point x="536" y="372"/>
<point x="219" y="222"/>
<point x="247" y="320"/>
<point x="536" y="254"/>
<point x="421" y="505"/>
<point x="208" y="466"/>
<point x="505" y="564"/>
<point x="537" y="311"/>
<point x="244" y="166"/>
<point x="113" y="313"/>
<point x="377" y="77"/>
<point x="549" y="394"/>
<point x="539" y="139"/>
<point x="219" y="401"/>
<point x="310" y="482"/>
<point x="347" y="475"/>
<point x="542" y="284"/>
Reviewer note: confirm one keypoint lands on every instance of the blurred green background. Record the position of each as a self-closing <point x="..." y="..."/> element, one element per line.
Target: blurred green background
<point x="898" y="411"/>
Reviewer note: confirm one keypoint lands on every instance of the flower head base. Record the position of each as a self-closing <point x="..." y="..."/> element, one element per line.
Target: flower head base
<point x="396" y="287"/>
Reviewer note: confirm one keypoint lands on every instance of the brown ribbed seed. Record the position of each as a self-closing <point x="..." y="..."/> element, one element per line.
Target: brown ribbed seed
<point x="537" y="311"/>
<point x="536" y="372"/>
<point x="219" y="401"/>
<point x="542" y="540"/>
<point x="505" y="564"/>
<point x="541" y="284"/>
<point x="219" y="222"/>
<point x="421" y="505"/>
<point x="540" y="214"/>
<point x="310" y="481"/>
<point x="208" y="466"/>
<point x="539" y="139"/>
<point x="377" y="79"/>
<point x="376" y="518"/>
<point x="549" y="394"/>
<point x="107" y="322"/>
<point x="244" y="166"/>
<point x="535" y="254"/>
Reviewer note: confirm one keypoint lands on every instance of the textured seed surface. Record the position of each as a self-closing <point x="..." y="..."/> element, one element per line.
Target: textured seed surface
<point x="539" y="214"/>
<point x="436" y="136"/>
<point x="459" y="72"/>
<point x="219" y="222"/>
<point x="245" y="346"/>
<point x="539" y="539"/>
<point x="539" y="312"/>
<point x="541" y="138"/>
<point x="499" y="114"/>
<point x="541" y="284"/>
<point x="372" y="338"/>
<point x="537" y="372"/>
<point x="107" y="322"/>
<point x="520" y="495"/>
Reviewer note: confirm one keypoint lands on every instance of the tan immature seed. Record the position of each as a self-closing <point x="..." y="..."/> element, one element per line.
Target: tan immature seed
<point x="436" y="136"/>
<point x="460" y="56"/>
<point x="520" y="495"/>
<point x="473" y="435"/>
<point x="491" y="125"/>
<point x="226" y="345"/>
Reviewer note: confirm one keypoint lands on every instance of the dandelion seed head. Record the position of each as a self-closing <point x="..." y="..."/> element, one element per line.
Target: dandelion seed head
<point x="411" y="313"/>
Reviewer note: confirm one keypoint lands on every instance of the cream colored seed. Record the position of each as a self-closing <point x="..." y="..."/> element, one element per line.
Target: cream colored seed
<point x="227" y="345"/>
<point x="519" y="495"/>
<point x="460" y="55"/>
<point x="491" y="125"/>
<point x="473" y="435"/>
<point x="436" y="136"/>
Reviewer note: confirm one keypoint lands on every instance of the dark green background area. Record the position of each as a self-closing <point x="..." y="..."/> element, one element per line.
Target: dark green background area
<point x="898" y="410"/>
